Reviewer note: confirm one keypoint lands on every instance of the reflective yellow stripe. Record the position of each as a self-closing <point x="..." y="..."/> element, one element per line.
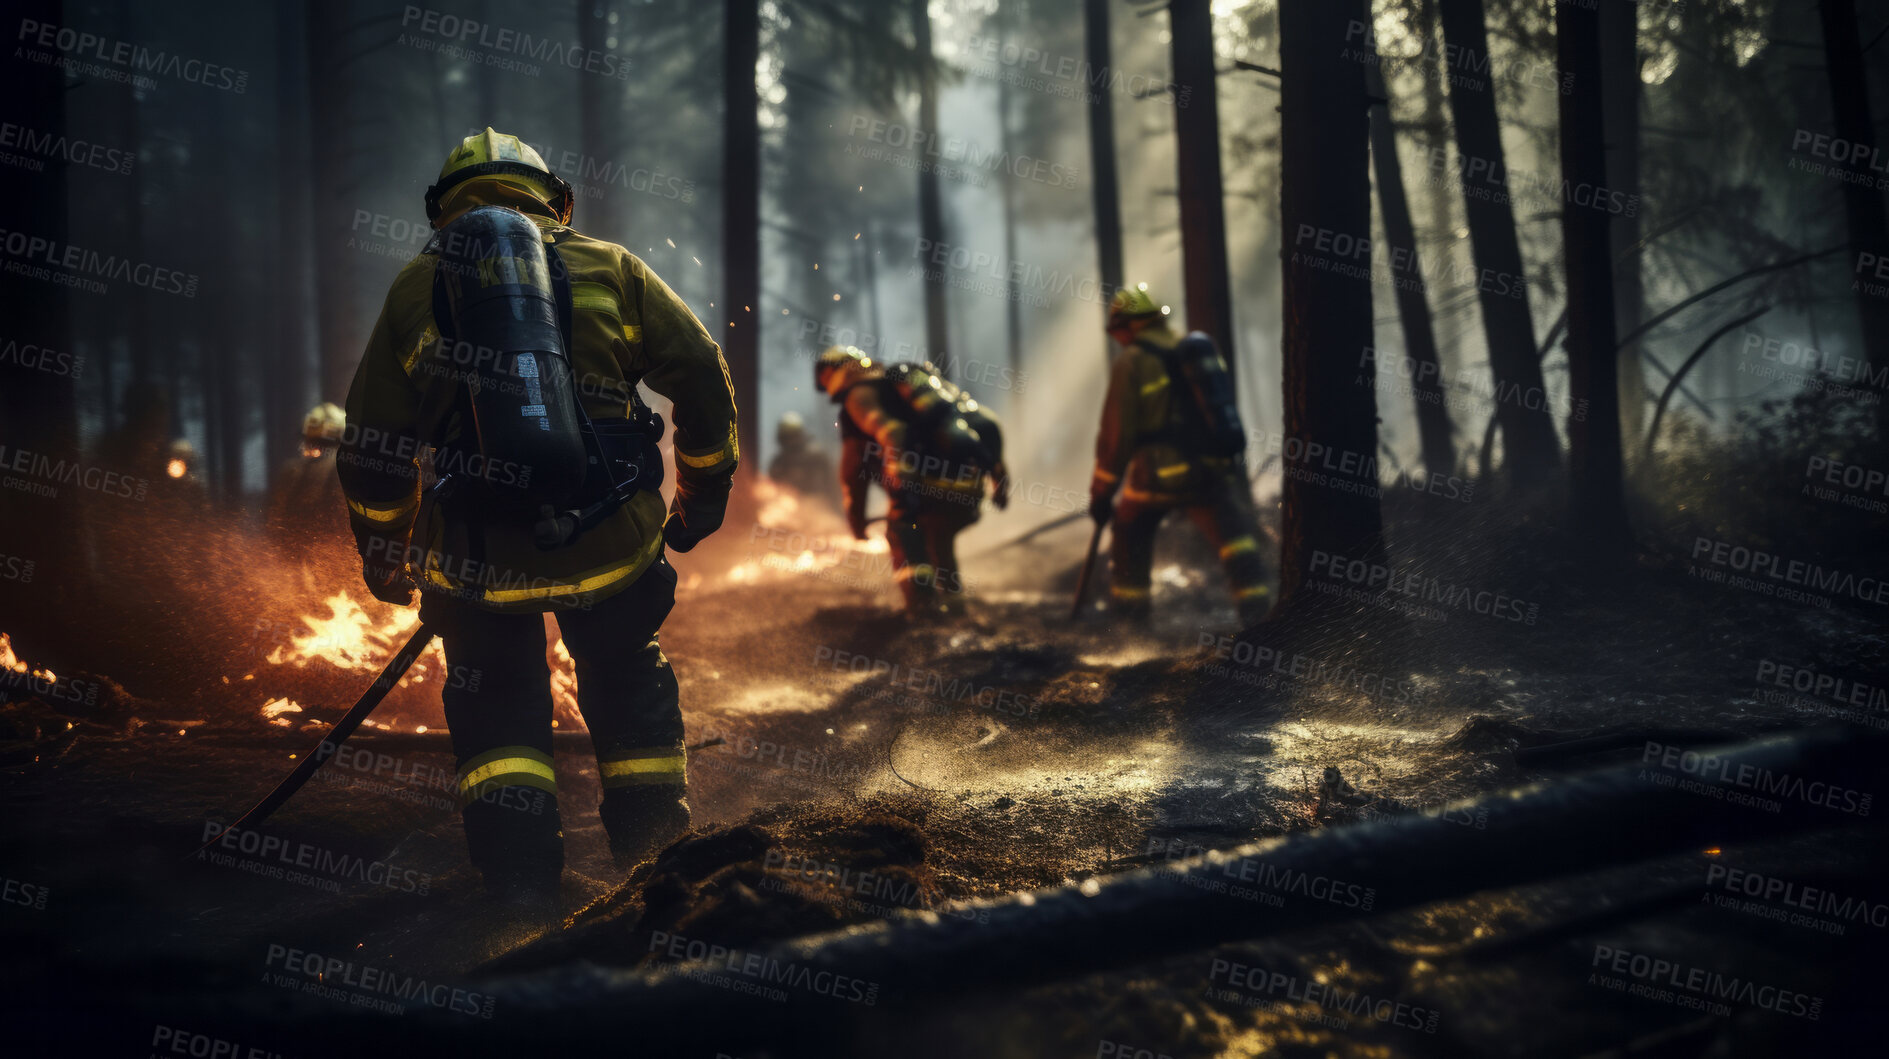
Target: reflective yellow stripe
<point x="1141" y="496"/>
<point x="664" y="765"/>
<point x="1172" y="470"/>
<point x="1105" y="476"/>
<point x="1124" y="592"/>
<point x="595" y="297"/>
<point x="507" y="766"/>
<point x="428" y="336"/>
<point x="1238" y="545"/>
<point x="712" y="457"/>
<point x="916" y="569"/>
<point x="1148" y="389"/>
<point x="632" y="332"/>
<point x="1252" y="592"/>
<point x="383" y="514"/>
<point x="589" y="581"/>
<point x="975" y="485"/>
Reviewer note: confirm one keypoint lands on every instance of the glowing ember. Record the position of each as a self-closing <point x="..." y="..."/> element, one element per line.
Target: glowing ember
<point x="275" y="711"/>
<point x="11" y="661"/>
<point x="177" y="468"/>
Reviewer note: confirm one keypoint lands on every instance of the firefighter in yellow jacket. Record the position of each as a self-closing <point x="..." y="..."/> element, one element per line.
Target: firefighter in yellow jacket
<point x="484" y="578"/>
<point x="1145" y="451"/>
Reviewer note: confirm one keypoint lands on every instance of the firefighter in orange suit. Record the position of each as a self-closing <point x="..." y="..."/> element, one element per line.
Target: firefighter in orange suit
<point x="1144" y="453"/>
<point x="484" y="579"/>
<point x="933" y="495"/>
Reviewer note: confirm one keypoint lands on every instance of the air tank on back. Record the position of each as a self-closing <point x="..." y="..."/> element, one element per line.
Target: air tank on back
<point x="503" y="328"/>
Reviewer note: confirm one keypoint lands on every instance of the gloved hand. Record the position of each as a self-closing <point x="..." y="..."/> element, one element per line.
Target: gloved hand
<point x="1101" y="502"/>
<point x="696" y="511"/>
<point x="384" y="570"/>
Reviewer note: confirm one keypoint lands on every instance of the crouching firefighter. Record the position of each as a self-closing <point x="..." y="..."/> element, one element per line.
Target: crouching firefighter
<point x="1171" y="440"/>
<point x="931" y="448"/>
<point x="510" y="350"/>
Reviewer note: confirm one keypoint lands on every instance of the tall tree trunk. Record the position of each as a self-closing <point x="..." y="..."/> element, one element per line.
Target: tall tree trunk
<point x="930" y="198"/>
<point x="597" y="106"/>
<point x="1106" y="190"/>
<point x="340" y="335"/>
<point x="1620" y="105"/>
<point x="37" y="407"/>
<point x="1197" y="151"/>
<point x="1533" y="453"/>
<point x="1013" y="304"/>
<point x="1434" y="430"/>
<point x="1862" y="201"/>
<point x="1324" y="183"/>
<point x="286" y="373"/>
<point x="741" y="215"/>
<point x="1598" y="513"/>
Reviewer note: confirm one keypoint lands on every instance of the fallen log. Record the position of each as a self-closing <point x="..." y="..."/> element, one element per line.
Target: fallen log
<point x="1673" y="800"/>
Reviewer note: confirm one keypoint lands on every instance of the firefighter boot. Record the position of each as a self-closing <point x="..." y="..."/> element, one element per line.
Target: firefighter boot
<point x="517" y="842"/>
<point x="642" y="820"/>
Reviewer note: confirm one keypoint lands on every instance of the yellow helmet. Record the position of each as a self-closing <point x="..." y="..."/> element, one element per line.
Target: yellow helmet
<point x="840" y="367"/>
<point x="324" y="423"/>
<point x="497" y="154"/>
<point x="1133" y="303"/>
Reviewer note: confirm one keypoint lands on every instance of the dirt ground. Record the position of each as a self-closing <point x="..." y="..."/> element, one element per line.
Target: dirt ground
<point x="1012" y="750"/>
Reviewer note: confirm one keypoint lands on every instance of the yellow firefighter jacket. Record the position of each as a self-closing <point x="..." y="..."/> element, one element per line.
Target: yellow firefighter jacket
<point x="626" y="326"/>
<point x="1140" y="446"/>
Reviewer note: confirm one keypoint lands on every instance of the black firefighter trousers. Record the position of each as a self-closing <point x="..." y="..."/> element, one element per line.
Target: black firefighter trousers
<point x="499" y="708"/>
